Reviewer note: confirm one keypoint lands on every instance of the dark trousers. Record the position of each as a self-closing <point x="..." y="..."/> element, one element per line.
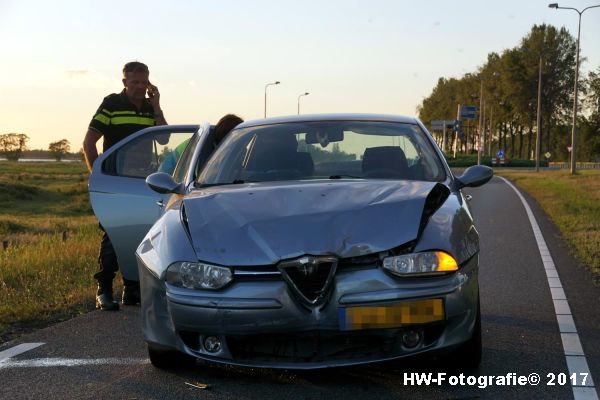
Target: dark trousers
<point x="108" y="265"/>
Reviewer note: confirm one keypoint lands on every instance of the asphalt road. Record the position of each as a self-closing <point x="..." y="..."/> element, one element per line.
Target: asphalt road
<point x="102" y="355"/>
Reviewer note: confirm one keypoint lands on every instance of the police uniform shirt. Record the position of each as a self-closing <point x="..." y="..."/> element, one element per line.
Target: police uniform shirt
<point x="117" y="118"/>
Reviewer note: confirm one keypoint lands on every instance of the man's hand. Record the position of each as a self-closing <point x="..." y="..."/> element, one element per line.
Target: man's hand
<point x="89" y="147"/>
<point x="154" y="96"/>
<point x="154" y="99"/>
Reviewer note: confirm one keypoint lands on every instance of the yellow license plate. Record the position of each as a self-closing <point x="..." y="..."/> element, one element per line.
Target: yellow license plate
<point x="391" y="316"/>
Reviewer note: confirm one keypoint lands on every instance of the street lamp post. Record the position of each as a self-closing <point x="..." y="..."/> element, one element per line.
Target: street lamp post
<point x="574" y="131"/>
<point x="480" y="145"/>
<point x="266" y="86"/>
<point x="491" y="123"/>
<point x="538" y="136"/>
<point x="480" y="123"/>
<point x="303" y="94"/>
<point x="538" y="139"/>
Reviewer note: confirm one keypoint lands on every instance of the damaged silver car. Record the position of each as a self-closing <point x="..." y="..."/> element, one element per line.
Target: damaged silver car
<point x="300" y="242"/>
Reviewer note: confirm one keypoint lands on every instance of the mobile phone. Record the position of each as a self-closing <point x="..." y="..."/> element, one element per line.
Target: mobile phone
<point x="151" y="89"/>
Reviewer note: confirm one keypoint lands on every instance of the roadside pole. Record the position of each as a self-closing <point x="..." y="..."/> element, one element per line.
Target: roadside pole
<point x="480" y="124"/>
<point x="444" y="137"/>
<point x="456" y="132"/>
<point x="538" y="139"/>
<point x="490" y="135"/>
<point x="483" y="136"/>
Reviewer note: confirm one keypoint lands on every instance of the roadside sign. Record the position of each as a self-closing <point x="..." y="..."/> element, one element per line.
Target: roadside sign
<point x="468" y="112"/>
<point x="500" y="153"/>
<point x="438" y="125"/>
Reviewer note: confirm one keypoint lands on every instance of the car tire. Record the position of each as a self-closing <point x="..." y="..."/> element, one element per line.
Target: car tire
<point x="167" y="359"/>
<point x="468" y="354"/>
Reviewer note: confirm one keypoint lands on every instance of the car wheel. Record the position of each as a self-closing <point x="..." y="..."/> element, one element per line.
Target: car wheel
<point x="468" y="354"/>
<point x="166" y="359"/>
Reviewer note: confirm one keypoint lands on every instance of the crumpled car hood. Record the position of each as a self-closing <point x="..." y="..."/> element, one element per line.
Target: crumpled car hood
<point x="260" y="224"/>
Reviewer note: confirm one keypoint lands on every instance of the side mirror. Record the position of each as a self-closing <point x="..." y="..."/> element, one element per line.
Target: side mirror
<point x="162" y="182"/>
<point x="473" y="176"/>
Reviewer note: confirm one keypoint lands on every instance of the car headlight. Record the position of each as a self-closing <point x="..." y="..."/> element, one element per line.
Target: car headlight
<point x="197" y="275"/>
<point x="427" y="263"/>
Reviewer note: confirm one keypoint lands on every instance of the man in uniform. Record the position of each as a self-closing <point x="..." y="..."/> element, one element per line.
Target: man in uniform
<point x="120" y="115"/>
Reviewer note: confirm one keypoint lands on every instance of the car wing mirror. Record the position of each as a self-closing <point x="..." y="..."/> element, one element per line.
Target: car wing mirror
<point x="162" y="182"/>
<point x="473" y="176"/>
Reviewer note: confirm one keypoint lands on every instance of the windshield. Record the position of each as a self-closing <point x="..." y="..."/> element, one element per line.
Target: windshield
<point x="324" y="150"/>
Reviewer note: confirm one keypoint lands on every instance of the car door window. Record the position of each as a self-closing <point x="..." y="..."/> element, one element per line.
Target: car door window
<point x="149" y="153"/>
<point x="207" y="150"/>
<point x="186" y="158"/>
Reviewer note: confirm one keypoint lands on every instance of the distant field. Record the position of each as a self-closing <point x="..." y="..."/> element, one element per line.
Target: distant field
<point x="573" y="203"/>
<point x="42" y="278"/>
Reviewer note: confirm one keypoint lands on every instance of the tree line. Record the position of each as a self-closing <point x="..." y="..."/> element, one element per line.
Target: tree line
<point x="509" y="83"/>
<point x="13" y="146"/>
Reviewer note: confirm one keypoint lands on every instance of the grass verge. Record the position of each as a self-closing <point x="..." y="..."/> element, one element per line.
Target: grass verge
<point x="573" y="204"/>
<point x="47" y="280"/>
<point x="44" y="279"/>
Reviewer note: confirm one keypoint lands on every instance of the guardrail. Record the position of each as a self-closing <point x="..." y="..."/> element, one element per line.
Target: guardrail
<point x="580" y="165"/>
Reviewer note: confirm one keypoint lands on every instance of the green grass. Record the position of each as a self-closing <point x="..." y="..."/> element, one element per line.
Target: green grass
<point x="46" y="279"/>
<point x="573" y="204"/>
<point x="42" y="278"/>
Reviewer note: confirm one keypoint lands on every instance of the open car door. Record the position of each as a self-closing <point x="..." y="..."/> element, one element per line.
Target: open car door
<point x="124" y="205"/>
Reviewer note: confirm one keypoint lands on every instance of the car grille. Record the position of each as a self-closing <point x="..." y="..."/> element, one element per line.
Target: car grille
<point x="317" y="346"/>
<point x="309" y="278"/>
<point x="271" y="272"/>
<point x="311" y="286"/>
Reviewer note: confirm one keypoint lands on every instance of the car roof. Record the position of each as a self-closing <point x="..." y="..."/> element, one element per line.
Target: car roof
<point x="328" y="117"/>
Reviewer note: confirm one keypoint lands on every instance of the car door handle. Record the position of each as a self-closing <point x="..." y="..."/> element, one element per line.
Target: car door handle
<point x="469" y="197"/>
<point x="160" y="203"/>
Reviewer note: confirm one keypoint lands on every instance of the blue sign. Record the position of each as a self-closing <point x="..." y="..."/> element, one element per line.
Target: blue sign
<point x="468" y="112"/>
<point x="500" y="153"/>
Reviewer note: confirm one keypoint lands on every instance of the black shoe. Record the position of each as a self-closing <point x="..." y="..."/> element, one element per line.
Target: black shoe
<point x="131" y="295"/>
<point x="105" y="301"/>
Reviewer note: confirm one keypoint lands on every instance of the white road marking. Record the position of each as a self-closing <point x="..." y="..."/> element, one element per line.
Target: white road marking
<point x="558" y="294"/>
<point x="584" y="393"/>
<point x="566" y="323"/>
<point x="579" y="363"/>
<point x="6" y="360"/>
<point x="576" y="361"/>
<point x="562" y="307"/>
<point x="15" y="351"/>
<point x="70" y="362"/>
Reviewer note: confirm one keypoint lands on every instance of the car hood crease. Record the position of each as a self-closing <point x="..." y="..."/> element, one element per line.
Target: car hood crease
<point x="261" y="224"/>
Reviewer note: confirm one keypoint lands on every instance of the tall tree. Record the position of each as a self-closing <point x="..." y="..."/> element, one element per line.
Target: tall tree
<point x="12" y="145"/>
<point x="59" y="149"/>
<point x="510" y="85"/>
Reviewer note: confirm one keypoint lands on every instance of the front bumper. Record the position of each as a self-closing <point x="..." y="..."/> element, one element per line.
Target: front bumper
<point x="261" y="323"/>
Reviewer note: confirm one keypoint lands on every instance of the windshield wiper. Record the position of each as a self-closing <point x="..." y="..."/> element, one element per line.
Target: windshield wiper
<point x="345" y="176"/>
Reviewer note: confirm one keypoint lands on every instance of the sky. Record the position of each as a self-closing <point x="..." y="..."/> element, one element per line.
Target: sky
<point x="60" y="58"/>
